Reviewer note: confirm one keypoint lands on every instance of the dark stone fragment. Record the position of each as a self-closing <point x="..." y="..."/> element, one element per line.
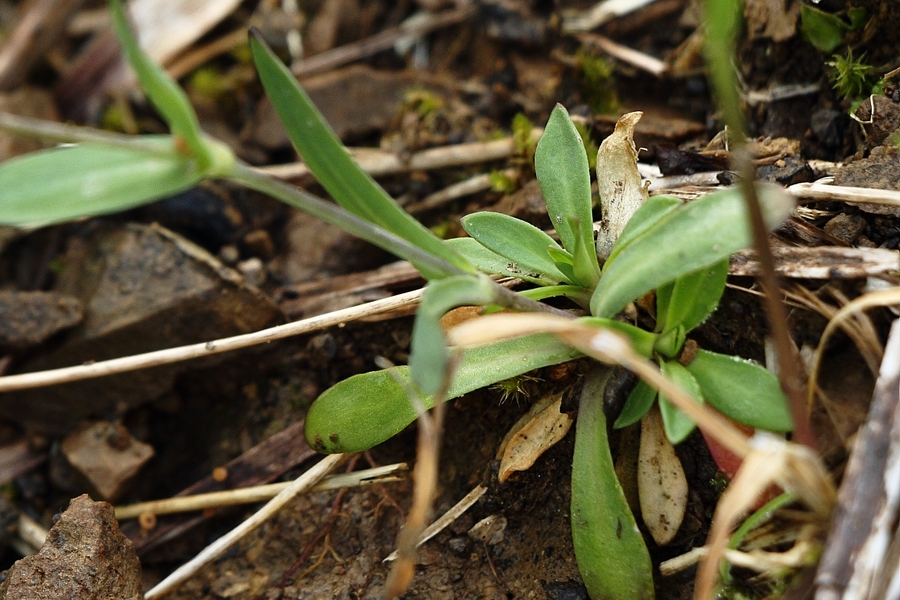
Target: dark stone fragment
<point x="29" y="318"/>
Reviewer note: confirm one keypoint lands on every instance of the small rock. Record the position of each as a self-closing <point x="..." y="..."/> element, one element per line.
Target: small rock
<point x="29" y="318"/>
<point x="106" y="456"/>
<point x="459" y="545"/>
<point x="786" y="171"/>
<point x="885" y="121"/>
<point x="85" y="557"/>
<point x="260" y="244"/>
<point x="846" y="227"/>
<point x="253" y="270"/>
<point x="828" y="127"/>
<point x="881" y="170"/>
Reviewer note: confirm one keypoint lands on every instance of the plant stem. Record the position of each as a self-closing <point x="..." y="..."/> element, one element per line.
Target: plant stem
<point x="70" y="134"/>
<point x="335" y="215"/>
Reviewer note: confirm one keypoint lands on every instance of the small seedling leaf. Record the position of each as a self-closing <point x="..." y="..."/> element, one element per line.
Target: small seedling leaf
<point x="329" y="161"/>
<point x="492" y="263"/>
<point x="367" y="409"/>
<point x="636" y="406"/>
<point x="742" y="390"/>
<point x="611" y="554"/>
<point x="429" y="359"/>
<point x="677" y="424"/>
<point x="641" y="340"/>
<point x="694" y="297"/>
<point x="693" y="237"/>
<point x="89" y="180"/>
<point x="561" y="166"/>
<point x="165" y="94"/>
<point x="519" y="242"/>
<point x="823" y="30"/>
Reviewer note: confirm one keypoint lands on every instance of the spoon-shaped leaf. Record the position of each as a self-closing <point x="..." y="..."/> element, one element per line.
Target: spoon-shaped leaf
<point x="329" y="161"/>
<point x="742" y="390"/>
<point x="677" y="424"/>
<point x="692" y="297"/>
<point x="522" y="243"/>
<point x="367" y="409"/>
<point x="561" y="166"/>
<point x="636" y="406"/>
<point x="65" y="183"/>
<point x="492" y="263"/>
<point x="611" y="554"/>
<point x="429" y="358"/>
<point x="693" y="237"/>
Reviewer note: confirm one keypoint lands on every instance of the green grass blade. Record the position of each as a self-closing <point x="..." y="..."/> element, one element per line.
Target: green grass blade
<point x="367" y="409"/>
<point x="66" y="183"/>
<point x="169" y="99"/>
<point x="329" y="161"/>
<point x="636" y="406"/>
<point x="693" y="237"/>
<point x="521" y="243"/>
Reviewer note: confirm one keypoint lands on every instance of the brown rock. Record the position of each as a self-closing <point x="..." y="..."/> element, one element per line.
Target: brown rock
<point x="846" y="227"/>
<point x="106" y="456"/>
<point x="85" y="557"/>
<point x="29" y="318"/>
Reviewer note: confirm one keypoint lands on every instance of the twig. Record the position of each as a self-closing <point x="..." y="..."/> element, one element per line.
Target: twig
<point x="600" y="14"/>
<point x="378" y="162"/>
<point x="301" y="484"/>
<point x="383" y="40"/>
<point x="472" y="185"/>
<point x="629" y="56"/>
<point x="821" y="190"/>
<point x="256" y="493"/>
<point x="446" y="519"/>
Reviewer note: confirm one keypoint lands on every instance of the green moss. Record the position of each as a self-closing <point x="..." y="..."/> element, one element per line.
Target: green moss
<point x="851" y="78"/>
<point x="599" y="84"/>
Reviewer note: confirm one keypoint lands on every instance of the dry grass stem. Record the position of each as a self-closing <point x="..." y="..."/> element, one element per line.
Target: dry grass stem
<point x="378" y="162"/>
<point x="173" y="355"/>
<point x="630" y="56"/>
<point x="257" y="493"/>
<point x="821" y="190"/>
<point x="446" y="519"/>
<point x="208" y="554"/>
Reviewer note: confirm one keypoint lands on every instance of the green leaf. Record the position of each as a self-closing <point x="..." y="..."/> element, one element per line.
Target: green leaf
<point x="694" y="297"/>
<point x="561" y="165"/>
<point x="492" y="263"/>
<point x="611" y="554"/>
<point x="640" y="339"/>
<point x="650" y="212"/>
<point x="169" y="99"/>
<point x="693" y="237"/>
<point x="367" y="409"/>
<point x="742" y="390"/>
<point x="823" y="30"/>
<point x="669" y="344"/>
<point x="677" y="424"/>
<point x="573" y="292"/>
<point x="520" y="242"/>
<point x="429" y="358"/>
<point x="636" y="406"/>
<point x="329" y="161"/>
<point x="66" y="183"/>
<point x="585" y="264"/>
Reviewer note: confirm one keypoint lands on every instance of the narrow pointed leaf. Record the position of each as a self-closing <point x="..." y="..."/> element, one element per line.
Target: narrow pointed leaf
<point x="695" y="236"/>
<point x="522" y="243"/>
<point x="742" y="390"/>
<point x="640" y="339"/>
<point x="677" y="424"/>
<point x="367" y="409"/>
<point x="66" y="183"/>
<point x="561" y="165"/>
<point x="492" y="263"/>
<point x="585" y="264"/>
<point x="329" y="161"/>
<point x="429" y="358"/>
<point x="636" y="406"/>
<point x="575" y="293"/>
<point x="611" y="553"/>
<point x="165" y="94"/>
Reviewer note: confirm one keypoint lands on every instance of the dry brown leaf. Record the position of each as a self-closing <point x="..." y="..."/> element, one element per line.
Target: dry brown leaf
<point x="533" y="434"/>
<point x="662" y="486"/>
<point x="618" y="182"/>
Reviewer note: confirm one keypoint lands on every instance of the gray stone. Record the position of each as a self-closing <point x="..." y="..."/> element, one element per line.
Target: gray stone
<point x="106" y="456"/>
<point x="29" y="318"/>
<point x="143" y="288"/>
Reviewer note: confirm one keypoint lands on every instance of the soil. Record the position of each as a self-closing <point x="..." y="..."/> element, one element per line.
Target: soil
<point x="461" y="83"/>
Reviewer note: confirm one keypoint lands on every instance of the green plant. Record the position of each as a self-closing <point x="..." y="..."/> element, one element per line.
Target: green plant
<point x="851" y="78"/>
<point x="679" y="251"/>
